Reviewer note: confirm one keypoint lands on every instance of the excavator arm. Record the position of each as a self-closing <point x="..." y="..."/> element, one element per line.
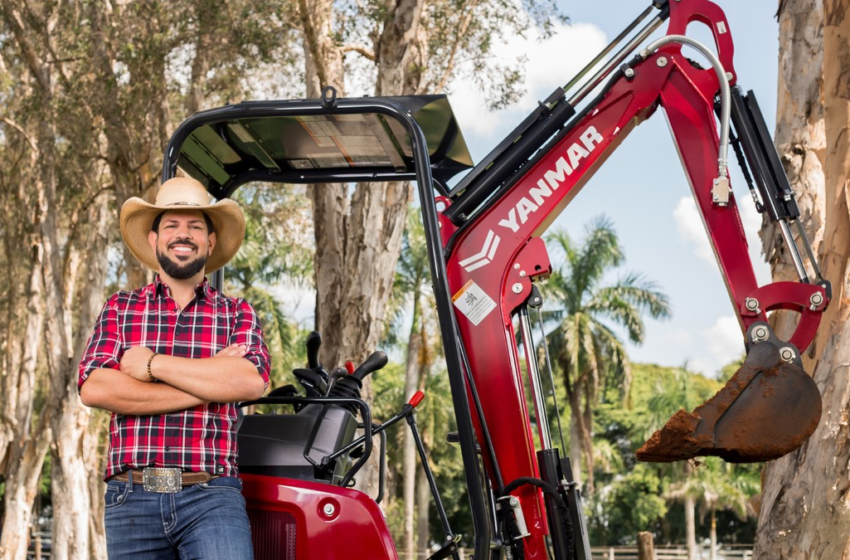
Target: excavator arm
<point x="492" y="227"/>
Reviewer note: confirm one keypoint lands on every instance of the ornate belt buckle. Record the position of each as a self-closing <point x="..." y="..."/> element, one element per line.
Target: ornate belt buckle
<point x="164" y="481"/>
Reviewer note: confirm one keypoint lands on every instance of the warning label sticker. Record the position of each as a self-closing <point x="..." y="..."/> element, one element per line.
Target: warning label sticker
<point x="473" y="302"/>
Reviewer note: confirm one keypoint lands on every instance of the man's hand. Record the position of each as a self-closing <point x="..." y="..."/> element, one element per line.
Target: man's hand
<point x="134" y="363"/>
<point x="235" y="350"/>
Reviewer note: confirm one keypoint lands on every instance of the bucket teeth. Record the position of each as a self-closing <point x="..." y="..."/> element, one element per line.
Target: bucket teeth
<point x="766" y="410"/>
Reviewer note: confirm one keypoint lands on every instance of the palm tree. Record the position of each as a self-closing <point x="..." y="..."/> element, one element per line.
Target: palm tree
<point x="588" y="351"/>
<point x="714" y="485"/>
<point x="711" y="484"/>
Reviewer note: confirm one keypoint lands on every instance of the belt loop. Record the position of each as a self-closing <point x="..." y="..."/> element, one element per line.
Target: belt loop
<point x="130" y="481"/>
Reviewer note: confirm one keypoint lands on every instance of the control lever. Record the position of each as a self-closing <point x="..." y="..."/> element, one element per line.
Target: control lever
<point x="315" y="379"/>
<point x="314" y="342"/>
<point x="335" y="375"/>
<point x="374" y="362"/>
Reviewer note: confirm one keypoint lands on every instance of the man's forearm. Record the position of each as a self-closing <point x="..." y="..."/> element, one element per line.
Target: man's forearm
<point x="217" y="379"/>
<point x="117" y="392"/>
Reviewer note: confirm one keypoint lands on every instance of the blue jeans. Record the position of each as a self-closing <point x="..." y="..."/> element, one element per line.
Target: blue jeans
<point x="206" y="521"/>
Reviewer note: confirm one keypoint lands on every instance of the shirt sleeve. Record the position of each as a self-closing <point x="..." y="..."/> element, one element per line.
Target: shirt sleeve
<point x="249" y="332"/>
<point x="104" y="348"/>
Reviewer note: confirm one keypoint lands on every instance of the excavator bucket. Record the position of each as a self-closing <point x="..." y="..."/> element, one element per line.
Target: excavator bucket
<point x="766" y="410"/>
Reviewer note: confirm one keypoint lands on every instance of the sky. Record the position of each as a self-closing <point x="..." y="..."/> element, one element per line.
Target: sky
<point x="642" y="188"/>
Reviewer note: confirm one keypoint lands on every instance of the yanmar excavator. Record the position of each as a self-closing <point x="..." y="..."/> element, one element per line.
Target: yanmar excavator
<point x="486" y="254"/>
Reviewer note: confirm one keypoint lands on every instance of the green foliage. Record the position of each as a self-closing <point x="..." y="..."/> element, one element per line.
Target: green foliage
<point x="591" y="357"/>
<point x="629" y="499"/>
<point x="630" y="503"/>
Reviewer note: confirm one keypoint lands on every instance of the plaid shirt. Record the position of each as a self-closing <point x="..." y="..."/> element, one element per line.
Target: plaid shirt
<point x="197" y="439"/>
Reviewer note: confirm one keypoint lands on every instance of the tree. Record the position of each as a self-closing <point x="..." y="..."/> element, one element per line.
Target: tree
<point x="415" y="47"/>
<point x="412" y="283"/>
<point x="799" y="515"/>
<point x="588" y="351"/>
<point x="91" y="101"/>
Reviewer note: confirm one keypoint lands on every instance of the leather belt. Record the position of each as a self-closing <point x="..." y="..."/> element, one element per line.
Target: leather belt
<point x="163" y="480"/>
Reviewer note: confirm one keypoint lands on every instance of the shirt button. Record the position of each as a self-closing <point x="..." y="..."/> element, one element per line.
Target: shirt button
<point x="167" y="448"/>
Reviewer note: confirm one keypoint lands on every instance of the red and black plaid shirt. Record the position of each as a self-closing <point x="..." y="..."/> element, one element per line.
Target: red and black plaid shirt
<point x="197" y="439"/>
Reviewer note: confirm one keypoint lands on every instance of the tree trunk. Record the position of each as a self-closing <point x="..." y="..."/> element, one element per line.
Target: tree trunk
<point x="803" y="513"/>
<point x="576" y="437"/>
<point x="24" y="455"/>
<point x="800" y="139"/>
<point x="358" y="242"/>
<point x="690" y="527"/>
<point x="411" y="384"/>
<point x="423" y="506"/>
<point x="712" y="554"/>
<point x="90" y="298"/>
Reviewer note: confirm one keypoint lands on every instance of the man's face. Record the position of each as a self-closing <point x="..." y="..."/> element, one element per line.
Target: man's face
<point x="182" y="243"/>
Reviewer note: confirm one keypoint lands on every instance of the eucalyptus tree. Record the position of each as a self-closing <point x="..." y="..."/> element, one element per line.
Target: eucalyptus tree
<point x="585" y="343"/>
<point x="402" y="47"/>
<point x="95" y="90"/>
<point x="799" y="517"/>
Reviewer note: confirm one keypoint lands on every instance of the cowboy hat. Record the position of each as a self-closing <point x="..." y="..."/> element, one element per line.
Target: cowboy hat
<point x="182" y="193"/>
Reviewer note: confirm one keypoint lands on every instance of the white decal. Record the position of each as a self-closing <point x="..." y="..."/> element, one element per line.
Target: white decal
<point x="483" y="258"/>
<point x="551" y="180"/>
<point x="473" y="302"/>
<point x="511" y="221"/>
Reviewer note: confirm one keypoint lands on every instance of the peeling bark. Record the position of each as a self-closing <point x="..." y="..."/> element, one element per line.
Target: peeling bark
<point x="804" y="511"/>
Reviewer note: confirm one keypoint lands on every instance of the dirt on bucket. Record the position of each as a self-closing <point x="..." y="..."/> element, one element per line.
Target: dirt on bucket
<point x="766" y="410"/>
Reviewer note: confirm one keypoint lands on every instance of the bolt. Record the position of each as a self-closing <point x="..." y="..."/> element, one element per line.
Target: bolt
<point x="787" y="354"/>
<point x="537" y="300"/>
<point x="516" y="266"/>
<point x="816" y="300"/>
<point x="629" y="73"/>
<point x="517" y="288"/>
<point x="729" y="76"/>
<point x="514" y="501"/>
<point x="662" y="61"/>
<point x="760" y="334"/>
<point x="329" y="509"/>
<point x="522" y="274"/>
<point x="752" y="304"/>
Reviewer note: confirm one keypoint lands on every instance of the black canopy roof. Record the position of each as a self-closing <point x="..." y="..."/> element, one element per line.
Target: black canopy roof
<point x="276" y="141"/>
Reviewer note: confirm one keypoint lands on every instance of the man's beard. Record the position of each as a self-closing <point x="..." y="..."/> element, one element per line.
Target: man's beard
<point x="180" y="271"/>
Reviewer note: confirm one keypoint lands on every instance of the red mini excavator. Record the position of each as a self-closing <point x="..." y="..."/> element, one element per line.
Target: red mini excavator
<point x="485" y="250"/>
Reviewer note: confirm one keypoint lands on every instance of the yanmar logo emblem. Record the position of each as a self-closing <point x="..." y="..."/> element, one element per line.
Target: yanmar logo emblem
<point x="485" y="256"/>
<point x="552" y="179"/>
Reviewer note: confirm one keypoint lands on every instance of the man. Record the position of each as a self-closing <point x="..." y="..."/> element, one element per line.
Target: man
<point x="169" y="360"/>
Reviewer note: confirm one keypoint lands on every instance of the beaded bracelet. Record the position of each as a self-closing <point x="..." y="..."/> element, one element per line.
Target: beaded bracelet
<point x="150" y="375"/>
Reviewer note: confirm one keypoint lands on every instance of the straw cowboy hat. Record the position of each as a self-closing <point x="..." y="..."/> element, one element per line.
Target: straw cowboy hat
<point x="182" y="193"/>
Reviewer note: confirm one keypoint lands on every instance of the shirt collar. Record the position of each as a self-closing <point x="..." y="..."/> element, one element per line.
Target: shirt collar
<point x="203" y="289"/>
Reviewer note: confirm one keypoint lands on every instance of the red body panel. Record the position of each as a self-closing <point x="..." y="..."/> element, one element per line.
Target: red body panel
<point x="284" y="511"/>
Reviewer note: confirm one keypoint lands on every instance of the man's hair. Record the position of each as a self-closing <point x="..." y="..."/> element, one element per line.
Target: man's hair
<point x="158" y="219"/>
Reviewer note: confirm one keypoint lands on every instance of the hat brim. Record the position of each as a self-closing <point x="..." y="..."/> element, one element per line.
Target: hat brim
<point x="137" y="217"/>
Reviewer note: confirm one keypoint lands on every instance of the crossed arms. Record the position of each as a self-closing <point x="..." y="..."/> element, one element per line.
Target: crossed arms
<point x="184" y="382"/>
<point x="115" y="377"/>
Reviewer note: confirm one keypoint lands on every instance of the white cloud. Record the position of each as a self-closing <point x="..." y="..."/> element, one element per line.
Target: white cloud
<point x="551" y="63"/>
<point x="725" y="339"/>
<point x="723" y="343"/>
<point x="689" y="224"/>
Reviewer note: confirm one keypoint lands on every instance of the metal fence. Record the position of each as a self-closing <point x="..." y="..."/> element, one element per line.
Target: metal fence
<point x="673" y="552"/>
<point x="662" y="552"/>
